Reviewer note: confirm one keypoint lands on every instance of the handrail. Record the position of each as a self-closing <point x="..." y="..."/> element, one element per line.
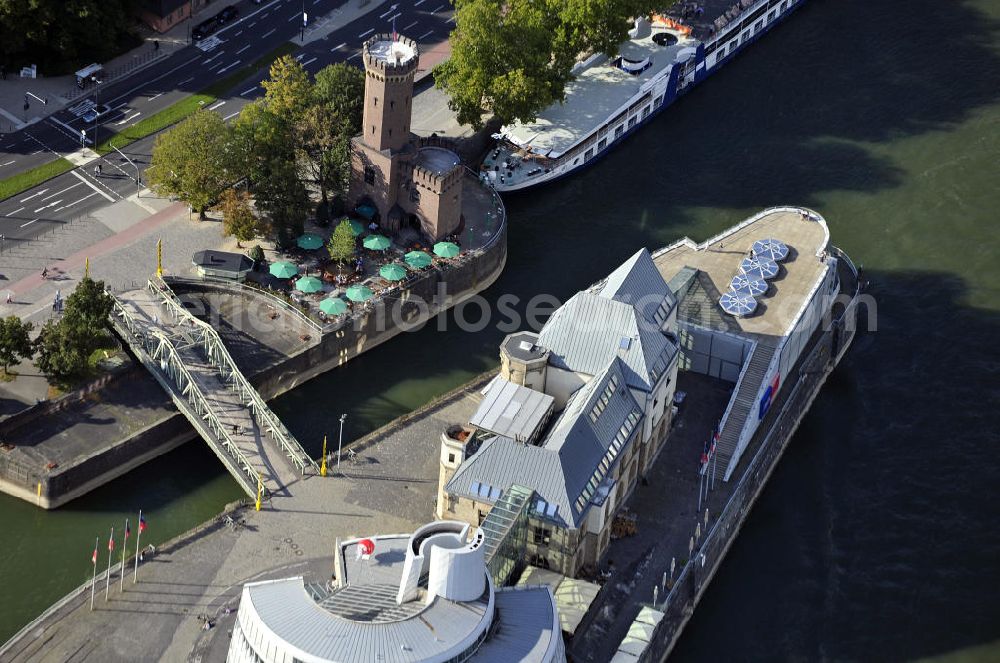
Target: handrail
<point x="188" y="387"/>
<point x="217" y="352"/>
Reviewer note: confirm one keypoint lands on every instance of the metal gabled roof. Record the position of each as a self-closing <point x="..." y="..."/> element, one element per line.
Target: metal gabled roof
<point x="512" y="410"/>
<point x="638" y="282"/>
<point x="586" y="332"/>
<point x="569" y="460"/>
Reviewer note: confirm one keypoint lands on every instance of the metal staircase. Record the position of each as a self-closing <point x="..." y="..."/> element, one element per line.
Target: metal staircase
<point x="743" y="404"/>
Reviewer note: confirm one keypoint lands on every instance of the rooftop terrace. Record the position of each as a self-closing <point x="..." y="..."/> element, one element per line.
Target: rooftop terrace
<point x="718" y="261"/>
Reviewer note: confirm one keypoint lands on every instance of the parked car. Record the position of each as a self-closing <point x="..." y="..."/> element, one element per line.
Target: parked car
<point x="204" y="29"/>
<point x="228" y="14"/>
<point x="95" y="112"/>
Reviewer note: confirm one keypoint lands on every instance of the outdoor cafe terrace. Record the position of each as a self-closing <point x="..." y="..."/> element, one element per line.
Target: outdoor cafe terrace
<point x="384" y="264"/>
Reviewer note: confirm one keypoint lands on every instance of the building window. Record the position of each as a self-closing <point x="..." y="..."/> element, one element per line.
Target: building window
<point x="589" y="153"/>
<point x="541" y="536"/>
<point x="619" y="130"/>
<point x="480" y="516"/>
<point x="375" y="101"/>
<point x="369" y="175"/>
<point x="392" y="104"/>
<point x="602" y="143"/>
<point x="452" y="503"/>
<point x="451" y="458"/>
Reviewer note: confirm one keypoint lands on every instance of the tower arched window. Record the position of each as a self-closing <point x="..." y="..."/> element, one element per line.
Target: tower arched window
<point x="375" y="101"/>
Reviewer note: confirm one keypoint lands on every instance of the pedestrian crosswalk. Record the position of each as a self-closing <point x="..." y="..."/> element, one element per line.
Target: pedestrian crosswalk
<point x="209" y="44"/>
<point x="82" y="107"/>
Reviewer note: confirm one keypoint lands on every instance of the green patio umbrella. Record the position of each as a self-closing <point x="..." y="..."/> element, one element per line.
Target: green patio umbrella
<point x="283" y="270"/>
<point x="356" y="226"/>
<point x="446" y="249"/>
<point x="359" y="293"/>
<point x="333" y="306"/>
<point x="377" y="242"/>
<point x="308" y="284"/>
<point x="418" y="259"/>
<point x="367" y="211"/>
<point x="392" y="272"/>
<point x="309" y="241"/>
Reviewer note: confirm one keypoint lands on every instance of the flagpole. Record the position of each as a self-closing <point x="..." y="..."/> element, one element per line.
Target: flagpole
<point x="121" y="584"/>
<point x="135" y="574"/>
<point x="111" y="553"/>
<point x="97" y="544"/>
<point x="715" y="462"/>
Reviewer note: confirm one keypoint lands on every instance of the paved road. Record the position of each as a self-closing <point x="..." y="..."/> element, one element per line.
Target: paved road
<point x="260" y="30"/>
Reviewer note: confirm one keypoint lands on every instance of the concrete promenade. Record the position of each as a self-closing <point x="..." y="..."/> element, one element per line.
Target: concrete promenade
<point x="389" y="487"/>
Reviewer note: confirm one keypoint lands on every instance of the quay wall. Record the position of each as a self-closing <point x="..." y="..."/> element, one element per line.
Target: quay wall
<point x="460" y="280"/>
<point x="779" y="425"/>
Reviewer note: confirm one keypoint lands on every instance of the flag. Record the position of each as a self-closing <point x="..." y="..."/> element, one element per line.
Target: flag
<point x="715" y="439"/>
<point x="111" y="542"/>
<point x="142" y="524"/>
<point x="128" y="530"/>
<point x="93" y="558"/>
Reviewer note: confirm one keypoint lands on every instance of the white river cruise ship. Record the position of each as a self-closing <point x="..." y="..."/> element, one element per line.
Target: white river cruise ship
<point x="610" y="98"/>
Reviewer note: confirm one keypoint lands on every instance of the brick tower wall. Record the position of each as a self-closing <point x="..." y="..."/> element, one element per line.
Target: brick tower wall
<point x="388" y="97"/>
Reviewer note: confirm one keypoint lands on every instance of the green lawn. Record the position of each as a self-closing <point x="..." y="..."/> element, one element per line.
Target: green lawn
<point x="157" y="122"/>
<point x="15" y="184"/>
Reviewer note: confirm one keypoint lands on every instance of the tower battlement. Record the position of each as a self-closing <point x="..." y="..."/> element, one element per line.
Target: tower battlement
<point x="391" y="57"/>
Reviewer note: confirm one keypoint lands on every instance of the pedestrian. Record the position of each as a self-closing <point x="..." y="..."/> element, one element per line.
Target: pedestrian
<point x="45" y="272"/>
<point x="156" y="44"/>
<point x="98" y="170"/>
<point x="10" y="299"/>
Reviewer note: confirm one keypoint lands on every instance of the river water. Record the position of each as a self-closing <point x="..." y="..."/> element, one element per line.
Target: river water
<point x="878" y="536"/>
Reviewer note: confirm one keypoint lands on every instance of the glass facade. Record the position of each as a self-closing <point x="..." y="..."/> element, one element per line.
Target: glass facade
<point x="506" y="530"/>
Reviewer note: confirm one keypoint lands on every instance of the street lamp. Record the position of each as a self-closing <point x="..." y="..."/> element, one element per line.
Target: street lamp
<point x="340" y="442"/>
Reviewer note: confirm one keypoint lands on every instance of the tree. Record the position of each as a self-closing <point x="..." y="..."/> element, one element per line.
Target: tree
<point x="89" y="306"/>
<point x="192" y="160"/>
<point x="324" y="146"/>
<point x="341" y="244"/>
<point x="238" y="220"/>
<point x="15" y="342"/>
<point x="287" y="90"/>
<point x="283" y="197"/>
<point x="60" y="355"/>
<point x="341" y="88"/>
<point x="501" y="61"/>
<point x="257" y="255"/>
<point x="513" y="58"/>
<point x="64" y="347"/>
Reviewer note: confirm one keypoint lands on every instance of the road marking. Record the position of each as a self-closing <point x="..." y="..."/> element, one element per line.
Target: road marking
<point x="154" y="96"/>
<point x="186" y="80"/>
<point x="237" y="34"/>
<point x="393" y="17"/>
<point x="231" y="115"/>
<point x="338" y="47"/>
<point x="250" y="25"/>
<point x="426" y="34"/>
<point x="23" y="225"/>
<point x="216" y="105"/>
<point x="163" y="75"/>
<point x="213" y="57"/>
<point x="418" y="3"/>
<point x="435" y="11"/>
<point x="355" y="55"/>
<point x="309" y="61"/>
<point x="243" y="49"/>
<point x="451" y="20"/>
<point x="130" y="117"/>
<point x="92" y="186"/>
<point x="24" y="200"/>
<point x="53" y="195"/>
<point x="294" y="16"/>
<point x="366" y="33"/>
<point x="228" y="66"/>
<point x="246" y="92"/>
<point x="390" y="10"/>
<point x="8" y="163"/>
<point x="269" y="33"/>
<point x="14" y="212"/>
<point x="78" y="201"/>
<point x="49" y="205"/>
<point x="410" y="25"/>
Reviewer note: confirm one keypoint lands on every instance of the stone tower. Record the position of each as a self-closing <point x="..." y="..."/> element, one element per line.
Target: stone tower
<point x="390" y="65"/>
<point x="406" y="179"/>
